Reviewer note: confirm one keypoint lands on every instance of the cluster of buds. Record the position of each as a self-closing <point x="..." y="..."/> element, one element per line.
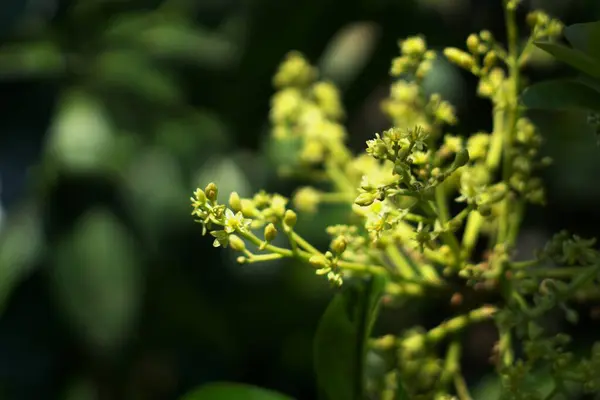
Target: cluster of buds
<point x="543" y="26"/>
<point x="408" y="104"/>
<point x="567" y="249"/>
<point x="526" y="162"/>
<point x="308" y="111"/>
<point x="482" y="56"/>
<point x="417" y="169"/>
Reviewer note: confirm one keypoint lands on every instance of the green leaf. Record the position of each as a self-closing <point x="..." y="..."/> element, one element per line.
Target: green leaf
<point x="227" y="175"/>
<point x="96" y="279"/>
<point x="561" y="95"/>
<point x="341" y="338"/>
<point x="132" y="73"/>
<point x="21" y="246"/>
<point x="573" y="57"/>
<point x="230" y="391"/>
<point x="585" y="37"/>
<point x="348" y="52"/>
<point x="29" y="60"/>
<point x="81" y="135"/>
<point x="172" y="40"/>
<point x="153" y="187"/>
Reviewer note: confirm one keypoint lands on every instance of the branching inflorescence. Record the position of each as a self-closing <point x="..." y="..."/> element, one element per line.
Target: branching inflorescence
<point x="402" y="191"/>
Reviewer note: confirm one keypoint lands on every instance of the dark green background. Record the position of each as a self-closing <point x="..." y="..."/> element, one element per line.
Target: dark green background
<point x="108" y="290"/>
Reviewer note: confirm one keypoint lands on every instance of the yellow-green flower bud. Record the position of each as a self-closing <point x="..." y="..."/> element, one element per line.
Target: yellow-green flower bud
<point x="211" y="191"/>
<point x="490" y="59"/>
<point x="248" y="208"/>
<point x="318" y="261"/>
<point x="461" y="159"/>
<point x="485" y="210"/>
<point x="413" y="46"/>
<point x="328" y="98"/>
<point x="235" y="202"/>
<point x="473" y="43"/>
<point x="294" y="71"/>
<point x="307" y="199"/>
<point x="459" y="57"/>
<point x="289" y="219"/>
<point x="338" y="245"/>
<point x="236" y="243"/>
<point x="486" y="35"/>
<point x="365" y="199"/>
<point x="200" y="196"/>
<point x="270" y="232"/>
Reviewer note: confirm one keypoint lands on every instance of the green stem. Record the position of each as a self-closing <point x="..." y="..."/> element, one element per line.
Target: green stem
<point x="451" y="326"/>
<point x="303" y="243"/>
<point x="442" y="205"/>
<point x="451" y="365"/>
<point x="334" y="198"/>
<point x="462" y="390"/>
<point x="447" y="237"/>
<point x="262" y="257"/>
<point x="399" y="261"/>
<point x="557" y="273"/>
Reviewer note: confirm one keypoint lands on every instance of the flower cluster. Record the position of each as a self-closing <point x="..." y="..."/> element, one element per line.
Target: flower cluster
<point x="408" y="104"/>
<point x="420" y="202"/>
<point x="307" y="110"/>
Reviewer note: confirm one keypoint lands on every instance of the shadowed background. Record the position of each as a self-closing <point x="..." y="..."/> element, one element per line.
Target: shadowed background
<point x="113" y="111"/>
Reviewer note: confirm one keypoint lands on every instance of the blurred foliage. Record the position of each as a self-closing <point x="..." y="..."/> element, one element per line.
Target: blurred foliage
<point x="114" y="110"/>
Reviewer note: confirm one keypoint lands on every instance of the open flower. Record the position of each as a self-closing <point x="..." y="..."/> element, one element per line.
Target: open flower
<point x="235" y="222"/>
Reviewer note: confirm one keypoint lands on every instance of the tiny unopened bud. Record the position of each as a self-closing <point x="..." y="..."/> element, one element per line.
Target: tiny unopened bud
<point x="241" y="260"/>
<point x="459" y="57"/>
<point x="490" y="59"/>
<point x="318" y="261"/>
<point x="456" y="299"/>
<point x="338" y="245"/>
<point x="571" y="316"/>
<point x="473" y="43"/>
<point x="270" y="232"/>
<point x="236" y="243"/>
<point x="289" y="219"/>
<point x="485" y="210"/>
<point x="248" y="208"/>
<point x="200" y="196"/>
<point x="486" y="35"/>
<point x="235" y="202"/>
<point x="211" y="191"/>
<point x="385" y="342"/>
<point x="461" y="158"/>
<point x="365" y="199"/>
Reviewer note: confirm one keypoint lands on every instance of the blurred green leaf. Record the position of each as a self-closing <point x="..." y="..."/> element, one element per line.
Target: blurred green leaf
<point x="340" y="341"/>
<point x="231" y="391"/>
<point x="488" y="388"/>
<point x="585" y="37"/>
<point x="284" y="152"/>
<point x="180" y="42"/>
<point x="81" y="135"/>
<point x="21" y="246"/>
<point x="561" y="95"/>
<point x="193" y="138"/>
<point x="348" y="52"/>
<point x="31" y="60"/>
<point x="132" y="73"/>
<point x="573" y="57"/>
<point x="228" y="176"/>
<point x="97" y="280"/>
<point x="81" y="389"/>
<point x="156" y="193"/>
<point x="171" y="40"/>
